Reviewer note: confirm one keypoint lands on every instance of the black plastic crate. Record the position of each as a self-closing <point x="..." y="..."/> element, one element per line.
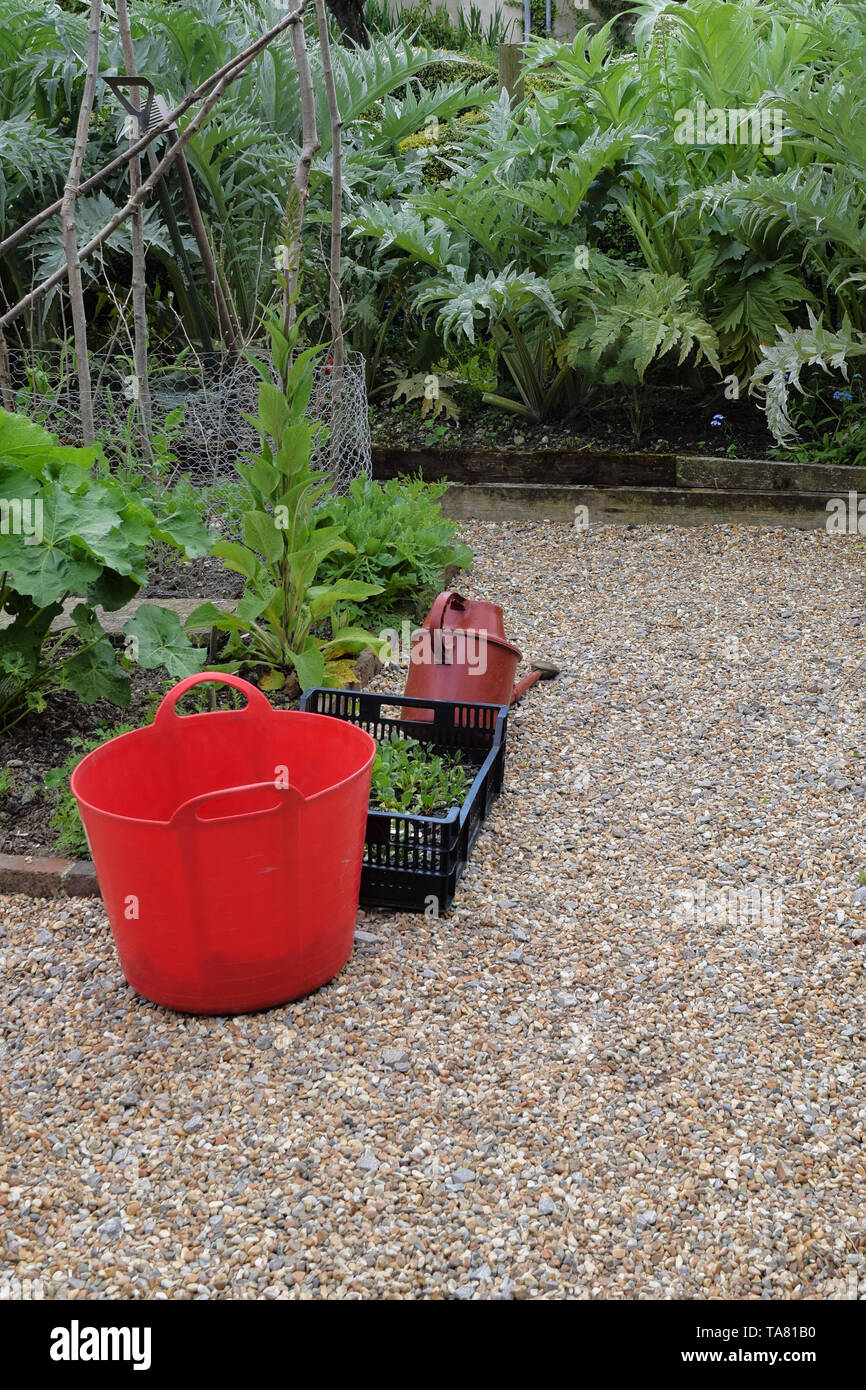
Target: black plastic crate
<point x="411" y="859"/>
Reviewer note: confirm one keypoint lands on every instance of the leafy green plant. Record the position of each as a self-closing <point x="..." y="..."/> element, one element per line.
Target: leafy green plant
<point x="399" y="541"/>
<point x="779" y="372"/>
<point x="64" y="817"/>
<point x="493" y="249"/>
<point x="70" y="545"/>
<point x="407" y="777"/>
<point x="830" y="422"/>
<point x="278" y="623"/>
<point x="633" y="325"/>
<point x="757" y="229"/>
<point x="7" y="777"/>
<point x="426" y="387"/>
<point x="239" y="158"/>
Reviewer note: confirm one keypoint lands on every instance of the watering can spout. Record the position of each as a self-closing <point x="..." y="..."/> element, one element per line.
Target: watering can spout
<point x="523" y="685"/>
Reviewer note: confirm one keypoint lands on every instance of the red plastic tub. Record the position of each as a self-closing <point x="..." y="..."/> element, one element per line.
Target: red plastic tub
<point x="228" y="849"/>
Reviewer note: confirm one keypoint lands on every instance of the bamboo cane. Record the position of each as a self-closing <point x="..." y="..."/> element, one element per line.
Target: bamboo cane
<point x="230" y="73"/>
<point x="69" y="229"/>
<point x="139" y="274"/>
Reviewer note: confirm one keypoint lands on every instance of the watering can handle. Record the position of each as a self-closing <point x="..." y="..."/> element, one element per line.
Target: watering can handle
<point x="440" y="607"/>
<point x="257" y="703"/>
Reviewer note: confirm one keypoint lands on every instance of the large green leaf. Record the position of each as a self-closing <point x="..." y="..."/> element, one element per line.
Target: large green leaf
<point x="21" y="641"/>
<point x="322" y="597"/>
<point x="29" y="446"/>
<point x="262" y="535"/>
<point x="208" y="615"/>
<point x="186" y="531"/>
<point x="56" y="566"/>
<point x="238" y="558"/>
<point x="351" y="639"/>
<point x="94" y="674"/>
<point x="309" y="665"/>
<point x="111" y="590"/>
<point x="161" y="641"/>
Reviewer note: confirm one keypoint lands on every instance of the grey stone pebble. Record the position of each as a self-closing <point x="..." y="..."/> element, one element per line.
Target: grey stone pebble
<point x="708" y="1070"/>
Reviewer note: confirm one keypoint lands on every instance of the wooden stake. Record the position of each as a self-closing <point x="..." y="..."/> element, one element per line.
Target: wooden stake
<point x="68" y="227"/>
<point x="294" y="219"/>
<point x="7" y="396"/>
<point x="230" y="72"/>
<point x="335" y="301"/>
<point x="139" y="273"/>
<point x="509" y="71"/>
<point x="228" y="333"/>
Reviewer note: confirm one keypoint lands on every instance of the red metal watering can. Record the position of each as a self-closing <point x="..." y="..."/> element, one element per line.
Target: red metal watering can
<point x="460" y="653"/>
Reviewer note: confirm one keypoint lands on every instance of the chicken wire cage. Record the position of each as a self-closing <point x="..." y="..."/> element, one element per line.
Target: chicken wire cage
<point x="199" y="407"/>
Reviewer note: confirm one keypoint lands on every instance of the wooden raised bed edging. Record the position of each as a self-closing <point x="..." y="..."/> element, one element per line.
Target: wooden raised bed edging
<point x="628" y="488"/>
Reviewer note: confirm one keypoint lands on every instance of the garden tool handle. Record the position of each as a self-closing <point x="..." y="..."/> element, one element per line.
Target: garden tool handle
<point x="443" y="600"/>
<point x="257" y="703"/>
<point x="188" y="813"/>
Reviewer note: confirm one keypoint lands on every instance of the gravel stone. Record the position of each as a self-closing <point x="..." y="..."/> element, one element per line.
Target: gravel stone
<point x="709" y="1070"/>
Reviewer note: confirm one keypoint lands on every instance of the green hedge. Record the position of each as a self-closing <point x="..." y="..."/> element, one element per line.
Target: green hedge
<point x="468" y="70"/>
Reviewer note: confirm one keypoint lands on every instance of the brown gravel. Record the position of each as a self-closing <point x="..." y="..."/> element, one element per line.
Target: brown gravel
<point x="583" y="1081"/>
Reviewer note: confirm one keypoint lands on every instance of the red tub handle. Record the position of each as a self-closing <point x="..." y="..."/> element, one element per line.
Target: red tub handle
<point x="257" y="703"/>
<point x="187" y="814"/>
<point x="443" y="602"/>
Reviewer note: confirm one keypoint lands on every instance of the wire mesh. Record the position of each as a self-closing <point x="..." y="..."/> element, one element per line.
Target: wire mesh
<point x="200" y="403"/>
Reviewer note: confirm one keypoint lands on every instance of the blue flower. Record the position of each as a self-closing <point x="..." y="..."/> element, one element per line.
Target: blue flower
<point x="717" y="420"/>
<point x="841" y="395"/>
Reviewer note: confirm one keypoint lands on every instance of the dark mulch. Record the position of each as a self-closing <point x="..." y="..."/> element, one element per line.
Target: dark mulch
<point x="678" y="422"/>
<point x="42" y="741"/>
<point x="203" y="578"/>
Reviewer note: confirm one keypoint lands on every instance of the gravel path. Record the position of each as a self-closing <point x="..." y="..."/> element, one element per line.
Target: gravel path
<point x="628" y="1064"/>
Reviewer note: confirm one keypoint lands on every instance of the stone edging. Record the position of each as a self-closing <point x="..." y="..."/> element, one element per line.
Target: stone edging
<point x="47" y="878"/>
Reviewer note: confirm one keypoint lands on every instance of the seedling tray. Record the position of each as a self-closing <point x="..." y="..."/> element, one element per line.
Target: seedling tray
<point x="414" y="862"/>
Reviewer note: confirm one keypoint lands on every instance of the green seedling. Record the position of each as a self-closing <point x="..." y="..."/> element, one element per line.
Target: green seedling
<point x="407" y="778"/>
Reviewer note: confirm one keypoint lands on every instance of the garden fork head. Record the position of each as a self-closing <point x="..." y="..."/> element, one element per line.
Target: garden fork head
<point x="143" y="114"/>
